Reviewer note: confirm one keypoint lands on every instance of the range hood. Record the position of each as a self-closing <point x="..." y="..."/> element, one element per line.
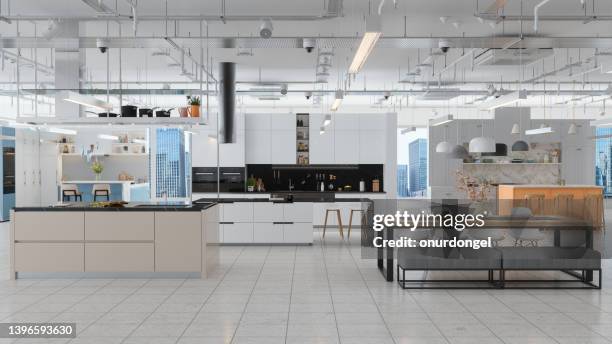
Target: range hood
<point x="227" y="124"/>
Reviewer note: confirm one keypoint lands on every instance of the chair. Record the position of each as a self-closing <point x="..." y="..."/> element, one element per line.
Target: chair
<point x="337" y="211"/>
<point x="535" y="202"/>
<point x="71" y="190"/>
<point x="101" y="190"/>
<point x="351" y="220"/>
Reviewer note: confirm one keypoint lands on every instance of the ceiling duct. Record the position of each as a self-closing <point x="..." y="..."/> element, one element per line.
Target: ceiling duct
<point x="440" y="94"/>
<point x="227" y="76"/>
<point x="511" y="57"/>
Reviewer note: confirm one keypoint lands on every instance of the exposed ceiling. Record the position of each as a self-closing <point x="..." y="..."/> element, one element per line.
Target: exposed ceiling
<point x="406" y="61"/>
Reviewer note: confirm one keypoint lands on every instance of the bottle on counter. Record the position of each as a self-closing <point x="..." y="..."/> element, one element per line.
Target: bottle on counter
<point x="361" y="186"/>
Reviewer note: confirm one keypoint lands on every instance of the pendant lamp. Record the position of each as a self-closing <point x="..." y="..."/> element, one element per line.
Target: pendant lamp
<point x="444" y="146"/>
<point x="482" y="144"/>
<point x="519" y="145"/>
<point x="515" y="129"/>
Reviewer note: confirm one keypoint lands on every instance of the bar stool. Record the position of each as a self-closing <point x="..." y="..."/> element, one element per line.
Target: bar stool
<point x="337" y="211"/>
<point x="348" y="236"/>
<point x="101" y="190"/>
<point x="593" y="210"/>
<point x="535" y="202"/>
<point x="71" y="190"/>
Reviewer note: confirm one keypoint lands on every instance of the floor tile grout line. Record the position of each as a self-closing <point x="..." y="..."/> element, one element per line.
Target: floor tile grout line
<point x="156" y="308"/>
<point x="251" y="295"/>
<point x="331" y="294"/>
<point x="210" y="294"/>
<point x="524" y="318"/>
<point x="118" y="303"/>
<point x="295" y="249"/>
<point x="371" y="294"/>
<point x="92" y="293"/>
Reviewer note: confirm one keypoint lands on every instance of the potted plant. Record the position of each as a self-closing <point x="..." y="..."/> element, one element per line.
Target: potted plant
<point x="194" y="105"/>
<point x="251" y="182"/>
<point x="97" y="168"/>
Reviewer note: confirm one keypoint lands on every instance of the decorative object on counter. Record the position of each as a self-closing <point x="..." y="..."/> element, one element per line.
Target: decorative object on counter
<point x="477" y="189"/>
<point x="260" y="187"/>
<point x="183" y="111"/>
<point x="361" y="186"/>
<point x="347" y="188"/>
<point x="459" y="152"/>
<point x="376" y="185"/>
<point x="251" y="183"/>
<point x="124" y="176"/>
<point x="97" y="168"/>
<point x="108" y="204"/>
<point x="194" y="105"/>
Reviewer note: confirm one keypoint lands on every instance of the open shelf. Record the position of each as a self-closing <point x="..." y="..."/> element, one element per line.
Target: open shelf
<point x="512" y="163"/>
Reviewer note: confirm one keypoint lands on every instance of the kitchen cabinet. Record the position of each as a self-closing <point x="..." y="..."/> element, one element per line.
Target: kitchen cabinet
<point x="49" y="257"/>
<point x="119" y="257"/>
<point x="321" y="145"/>
<point x="298" y="233"/>
<point x="298" y="212"/>
<point x="258" y="147"/>
<point x="239" y="233"/>
<point x="373" y="121"/>
<point x="268" y="212"/>
<point x="204" y="147"/>
<point x="178" y="249"/>
<point x="283" y="122"/>
<point x="258" y="121"/>
<point x="345" y="147"/>
<point x="283" y="146"/>
<point x="267" y="233"/>
<point x="372" y="147"/>
<point x="237" y="212"/>
<point x="122" y="226"/>
<point x="49" y="226"/>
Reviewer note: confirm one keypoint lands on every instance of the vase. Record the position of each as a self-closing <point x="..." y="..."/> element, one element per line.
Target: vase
<point x="183" y="111"/>
<point x="97" y="176"/>
<point x="194" y="110"/>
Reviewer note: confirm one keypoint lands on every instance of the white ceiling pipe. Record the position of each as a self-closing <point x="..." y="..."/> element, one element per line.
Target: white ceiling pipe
<point x="536" y="9"/>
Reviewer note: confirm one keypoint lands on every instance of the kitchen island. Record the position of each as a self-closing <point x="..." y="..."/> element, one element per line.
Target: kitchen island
<point x="137" y="240"/>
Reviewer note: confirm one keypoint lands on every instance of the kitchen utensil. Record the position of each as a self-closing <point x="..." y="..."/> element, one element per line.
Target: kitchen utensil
<point x="128" y="111"/>
<point x="163" y="113"/>
<point x="144" y="112"/>
<point x="104" y="114"/>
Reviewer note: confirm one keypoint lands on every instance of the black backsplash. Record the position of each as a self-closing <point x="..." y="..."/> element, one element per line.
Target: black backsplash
<point x="308" y="178"/>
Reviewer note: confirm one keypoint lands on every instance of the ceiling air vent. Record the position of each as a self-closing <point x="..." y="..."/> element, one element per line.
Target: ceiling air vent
<point x="510" y="57"/>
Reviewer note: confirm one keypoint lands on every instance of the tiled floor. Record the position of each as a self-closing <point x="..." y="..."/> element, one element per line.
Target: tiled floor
<point x="320" y="294"/>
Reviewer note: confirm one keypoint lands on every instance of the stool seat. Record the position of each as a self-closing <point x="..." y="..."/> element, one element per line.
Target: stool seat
<point x="337" y="211"/>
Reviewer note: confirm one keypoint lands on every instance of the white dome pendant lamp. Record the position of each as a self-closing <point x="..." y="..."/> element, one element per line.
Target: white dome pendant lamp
<point x="444" y="147"/>
<point x="482" y="144"/>
<point x="520" y="145"/>
<point x="458" y="151"/>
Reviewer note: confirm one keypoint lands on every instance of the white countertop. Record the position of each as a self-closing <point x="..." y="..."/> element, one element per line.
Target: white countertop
<point x="550" y="186"/>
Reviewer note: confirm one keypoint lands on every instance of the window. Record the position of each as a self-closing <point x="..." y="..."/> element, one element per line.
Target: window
<point x="412" y="180"/>
<point x="603" y="151"/>
<point x="172" y="163"/>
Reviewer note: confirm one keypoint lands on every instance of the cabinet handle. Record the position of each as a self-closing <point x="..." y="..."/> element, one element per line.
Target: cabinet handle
<point x="25" y="177"/>
<point x="226" y="223"/>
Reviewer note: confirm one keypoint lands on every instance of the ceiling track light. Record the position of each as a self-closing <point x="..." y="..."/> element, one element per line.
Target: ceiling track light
<point x="505" y="100"/>
<point x="338" y="100"/>
<point x="541" y="130"/>
<point x="327" y="120"/>
<point x="266" y="28"/>
<point x="434" y="122"/>
<point x="370" y="37"/>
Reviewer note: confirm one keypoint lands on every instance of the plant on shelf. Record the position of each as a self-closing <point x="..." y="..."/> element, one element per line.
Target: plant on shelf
<point x="97" y="168"/>
<point x="251" y="183"/>
<point x="194" y="105"/>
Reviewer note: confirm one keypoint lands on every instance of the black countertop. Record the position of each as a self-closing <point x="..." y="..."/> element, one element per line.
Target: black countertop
<point x="79" y="206"/>
<point x="299" y="200"/>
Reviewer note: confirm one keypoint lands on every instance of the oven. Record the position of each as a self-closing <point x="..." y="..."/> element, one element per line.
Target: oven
<point x="232" y="179"/>
<point x="203" y="179"/>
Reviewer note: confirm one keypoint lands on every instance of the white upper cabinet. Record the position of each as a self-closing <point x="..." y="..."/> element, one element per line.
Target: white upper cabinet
<point x="283" y="146"/>
<point x="346" y="121"/>
<point x="321" y="146"/>
<point x="282" y="121"/>
<point x="346" y="147"/>
<point x="232" y="154"/>
<point x="257" y="121"/>
<point x="373" y="121"/>
<point x="372" y="147"/>
<point x="204" y="147"/>
<point x="258" y="148"/>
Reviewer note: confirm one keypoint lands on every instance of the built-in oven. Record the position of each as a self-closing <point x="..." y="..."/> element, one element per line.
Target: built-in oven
<point x="203" y="179"/>
<point x="232" y="179"/>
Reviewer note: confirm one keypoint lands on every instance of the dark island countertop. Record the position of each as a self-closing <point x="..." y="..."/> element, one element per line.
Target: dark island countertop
<point x="136" y="206"/>
<point x="298" y="200"/>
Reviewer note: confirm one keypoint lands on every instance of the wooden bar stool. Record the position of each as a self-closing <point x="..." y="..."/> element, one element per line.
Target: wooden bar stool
<point x="563" y="204"/>
<point x="535" y="202"/>
<point x="593" y="211"/>
<point x="101" y="190"/>
<point x="71" y="190"/>
<point x="348" y="235"/>
<point x="337" y="211"/>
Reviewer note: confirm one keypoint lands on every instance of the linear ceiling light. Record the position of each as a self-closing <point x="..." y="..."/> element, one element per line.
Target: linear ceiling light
<point x="408" y="130"/>
<point x="62" y="131"/>
<point x="540" y="130"/>
<point x="434" y="122"/>
<point x="108" y="137"/>
<point x="370" y="37"/>
<point x="322" y="130"/>
<point x="606" y="122"/>
<point x="338" y="100"/>
<point x="84" y="100"/>
<point x="505" y="100"/>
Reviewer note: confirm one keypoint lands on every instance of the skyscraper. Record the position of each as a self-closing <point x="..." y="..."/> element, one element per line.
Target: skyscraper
<point x="403" y="188"/>
<point x="417" y="157"/>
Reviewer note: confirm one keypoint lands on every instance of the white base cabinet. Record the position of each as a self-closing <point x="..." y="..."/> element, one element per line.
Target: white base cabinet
<point x="266" y="223"/>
